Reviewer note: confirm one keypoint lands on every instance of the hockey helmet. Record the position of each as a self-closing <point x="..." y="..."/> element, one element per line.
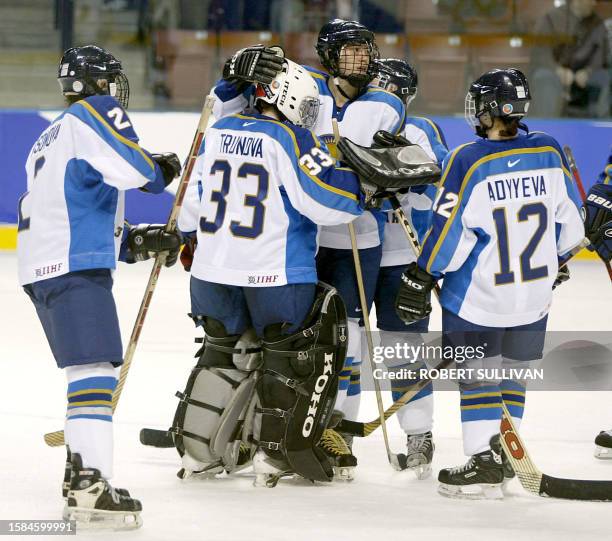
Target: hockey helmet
<point x="294" y="93"/>
<point x="337" y="34"/>
<point x="89" y="71"/>
<point x="502" y="93"/>
<point x="397" y="76"/>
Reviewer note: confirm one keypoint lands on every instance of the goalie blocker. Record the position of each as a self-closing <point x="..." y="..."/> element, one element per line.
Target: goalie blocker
<point x="277" y="394"/>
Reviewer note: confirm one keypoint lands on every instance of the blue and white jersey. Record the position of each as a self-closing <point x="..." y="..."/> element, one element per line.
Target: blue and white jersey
<point x="258" y="190"/>
<point x="375" y="109"/>
<point x="418" y="201"/>
<point x="504" y="212"/>
<point x="71" y="216"/>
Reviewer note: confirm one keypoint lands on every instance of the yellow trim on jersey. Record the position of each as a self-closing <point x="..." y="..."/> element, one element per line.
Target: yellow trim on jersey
<point x="433" y="126"/>
<point x="90" y="391"/>
<point x="315" y="179"/>
<point x="466" y="181"/>
<point x="315" y="74"/>
<point x="8" y="237"/>
<point x="124" y="140"/>
<point x="608" y="174"/>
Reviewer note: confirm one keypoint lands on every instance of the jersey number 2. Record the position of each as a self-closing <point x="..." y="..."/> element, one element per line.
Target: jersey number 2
<point x="528" y="273"/>
<point x="250" y="200"/>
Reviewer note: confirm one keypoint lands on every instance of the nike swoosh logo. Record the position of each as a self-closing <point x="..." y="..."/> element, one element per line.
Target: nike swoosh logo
<point x="248" y="123"/>
<point x="513" y="163"/>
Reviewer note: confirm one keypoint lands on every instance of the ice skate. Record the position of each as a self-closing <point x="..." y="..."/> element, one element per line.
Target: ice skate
<point x="420" y="449"/>
<point x="603" y="445"/>
<point x="68" y="477"/>
<point x="337" y="449"/>
<point x="480" y="478"/>
<point x="268" y="471"/>
<point x="94" y="504"/>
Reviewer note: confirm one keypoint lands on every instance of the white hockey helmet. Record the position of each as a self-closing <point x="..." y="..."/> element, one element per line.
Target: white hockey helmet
<point x="294" y="93"/>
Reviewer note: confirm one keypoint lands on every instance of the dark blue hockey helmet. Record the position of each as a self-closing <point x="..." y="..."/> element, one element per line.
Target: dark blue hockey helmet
<point x="397" y="76"/>
<point x="502" y="93"/>
<point x="338" y="34"/>
<point x="89" y="71"/>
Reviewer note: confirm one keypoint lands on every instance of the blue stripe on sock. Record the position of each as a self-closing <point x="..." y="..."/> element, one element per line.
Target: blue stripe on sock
<point x="108" y="418"/>
<point x="101" y="382"/>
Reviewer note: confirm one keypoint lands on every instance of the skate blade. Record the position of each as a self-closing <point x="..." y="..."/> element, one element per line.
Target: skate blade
<point x="344" y="473"/>
<point x="270" y="480"/>
<point x="481" y="491"/>
<point x="422" y="471"/>
<point x="604" y="453"/>
<point x="96" y="519"/>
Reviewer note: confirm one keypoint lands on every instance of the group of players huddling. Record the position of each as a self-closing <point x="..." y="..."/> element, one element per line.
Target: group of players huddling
<point x="273" y="280"/>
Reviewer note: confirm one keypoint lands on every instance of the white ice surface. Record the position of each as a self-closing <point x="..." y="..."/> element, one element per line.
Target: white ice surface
<point x="380" y="504"/>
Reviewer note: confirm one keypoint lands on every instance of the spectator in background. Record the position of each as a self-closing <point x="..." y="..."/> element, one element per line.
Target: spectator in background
<point x="570" y="62"/>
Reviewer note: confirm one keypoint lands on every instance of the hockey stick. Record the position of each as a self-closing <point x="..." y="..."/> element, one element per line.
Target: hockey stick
<point x="56" y="439"/>
<point x="398" y="461"/>
<point x="536" y="482"/>
<point x="356" y="428"/>
<point x="578" y="179"/>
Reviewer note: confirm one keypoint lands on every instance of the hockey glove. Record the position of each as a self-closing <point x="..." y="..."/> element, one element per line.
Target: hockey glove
<point x="145" y="240"/>
<point x="563" y="275"/>
<point x="597" y="215"/>
<point x="257" y="64"/>
<point x="169" y="164"/>
<point x="413" y="301"/>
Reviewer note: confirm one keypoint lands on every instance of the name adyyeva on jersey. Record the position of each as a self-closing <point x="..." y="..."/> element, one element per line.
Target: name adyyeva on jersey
<point x="243" y="146"/>
<point x="517" y="188"/>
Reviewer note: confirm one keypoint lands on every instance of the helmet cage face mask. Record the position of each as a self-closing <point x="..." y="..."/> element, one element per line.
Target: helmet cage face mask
<point x="294" y="93"/>
<point x="339" y="34"/>
<point x="403" y="85"/>
<point x="350" y="62"/>
<point x="89" y="71"/>
<point x="487" y="100"/>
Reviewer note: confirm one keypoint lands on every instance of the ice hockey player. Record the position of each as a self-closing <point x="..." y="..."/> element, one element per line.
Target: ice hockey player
<point x="598" y="226"/>
<point x="505" y="211"/>
<point x="70" y="234"/>
<point x="416" y="417"/>
<point x="347" y="50"/>
<point x="265" y="182"/>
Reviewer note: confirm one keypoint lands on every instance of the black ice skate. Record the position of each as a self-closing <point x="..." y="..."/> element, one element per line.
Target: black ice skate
<point x="68" y="477"/>
<point x="481" y="477"/>
<point x="420" y="450"/>
<point x="335" y="446"/>
<point x="603" y="444"/>
<point x="94" y="504"/>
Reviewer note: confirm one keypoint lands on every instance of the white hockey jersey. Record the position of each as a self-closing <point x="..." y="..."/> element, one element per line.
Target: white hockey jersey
<point x="503" y="215"/>
<point x="418" y="201"/>
<point x="71" y="216"/>
<point x="376" y="109"/>
<point x="258" y="190"/>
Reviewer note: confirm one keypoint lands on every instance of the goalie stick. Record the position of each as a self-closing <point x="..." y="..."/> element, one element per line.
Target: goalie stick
<point x="578" y="179"/>
<point x="56" y="439"/>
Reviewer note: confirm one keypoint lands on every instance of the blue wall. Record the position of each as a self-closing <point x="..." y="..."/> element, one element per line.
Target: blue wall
<point x="589" y="140"/>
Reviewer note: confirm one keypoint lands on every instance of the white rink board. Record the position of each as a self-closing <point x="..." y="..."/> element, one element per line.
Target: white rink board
<point x="380" y="504"/>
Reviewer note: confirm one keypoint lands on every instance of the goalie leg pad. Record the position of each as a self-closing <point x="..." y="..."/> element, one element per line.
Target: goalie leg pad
<point x="298" y="387"/>
<point x="209" y="419"/>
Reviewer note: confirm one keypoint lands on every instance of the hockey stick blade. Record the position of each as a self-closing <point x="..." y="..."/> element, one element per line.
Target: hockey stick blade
<point x="536" y="482"/>
<point x="156" y="438"/>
